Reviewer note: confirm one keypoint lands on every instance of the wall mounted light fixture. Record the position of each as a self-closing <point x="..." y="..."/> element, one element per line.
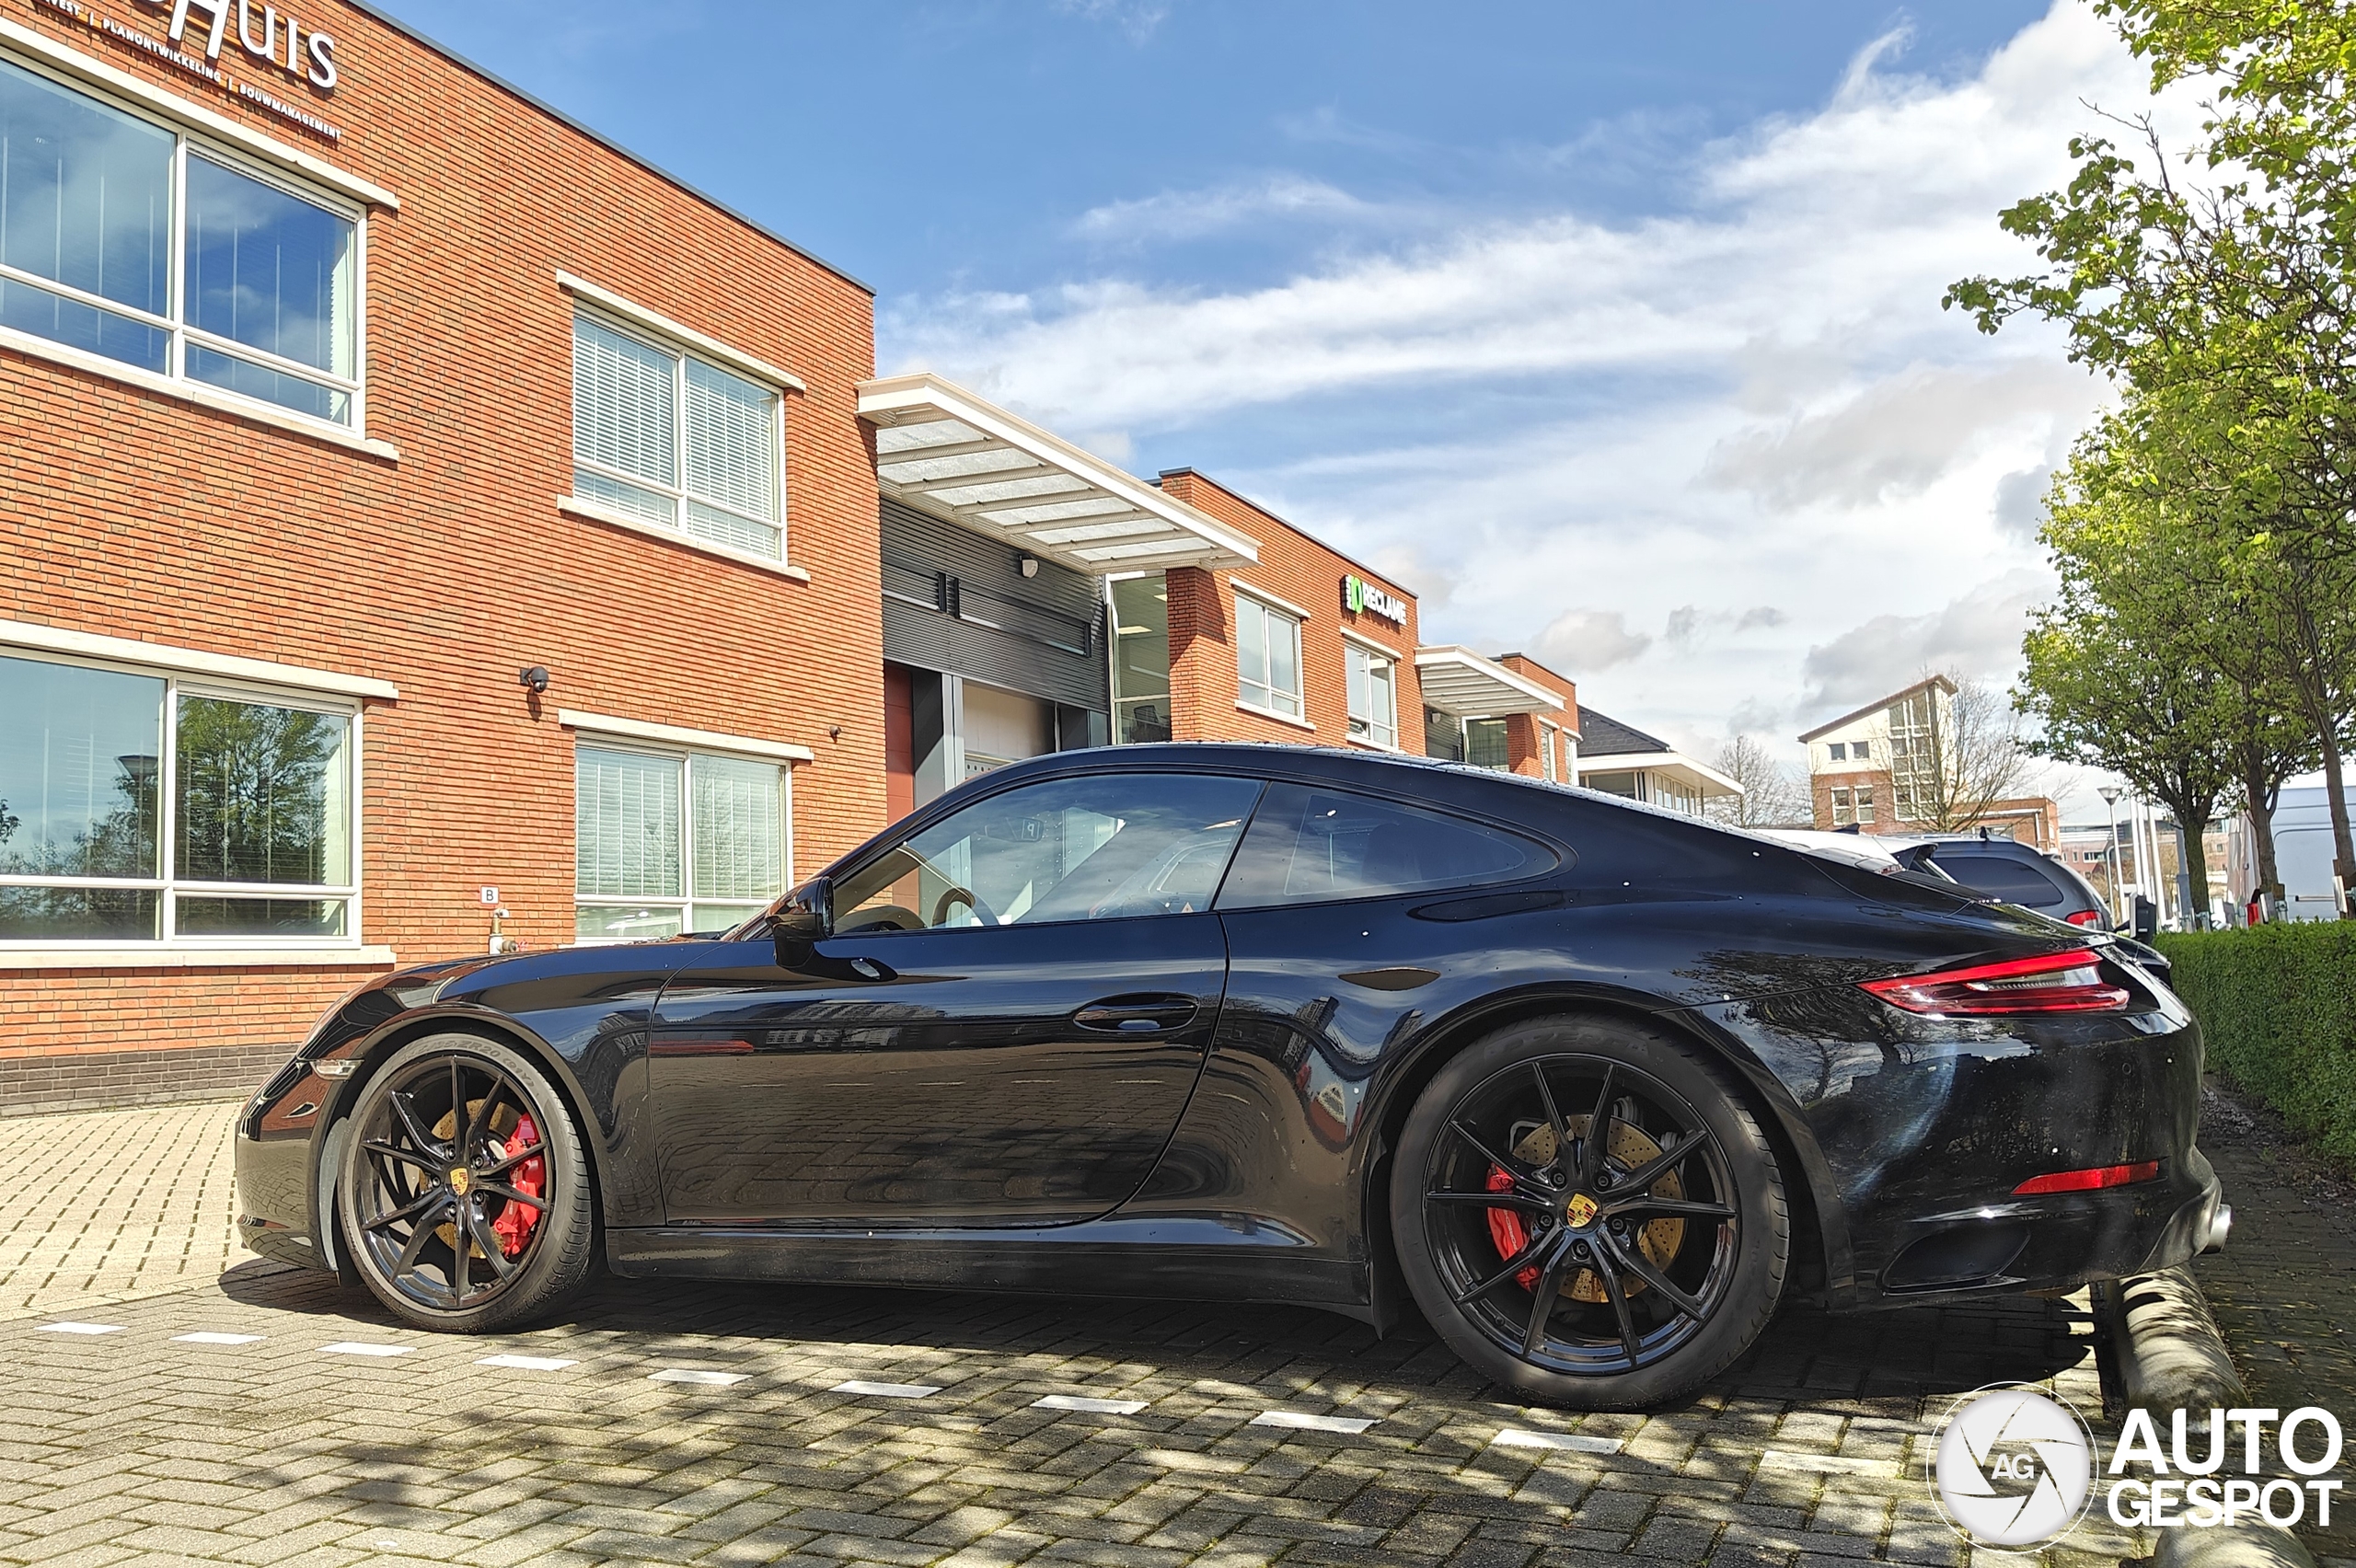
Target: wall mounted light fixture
<point x="534" y="680"/>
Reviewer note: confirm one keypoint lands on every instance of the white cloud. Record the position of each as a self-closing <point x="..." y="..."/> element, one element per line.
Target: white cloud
<point x="1137" y="18"/>
<point x="1188" y="214"/>
<point x="1747" y="405"/>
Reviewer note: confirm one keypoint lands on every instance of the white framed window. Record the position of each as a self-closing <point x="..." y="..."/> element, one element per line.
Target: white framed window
<point x="1267" y="657"/>
<point x="672" y="840"/>
<point x="1374" y="696"/>
<point x="1546" y="750"/>
<point x="665" y="435"/>
<point x="129" y="239"/>
<point x="144" y="808"/>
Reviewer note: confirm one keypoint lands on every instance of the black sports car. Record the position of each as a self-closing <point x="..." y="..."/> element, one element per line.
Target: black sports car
<point x="1593" y="1085"/>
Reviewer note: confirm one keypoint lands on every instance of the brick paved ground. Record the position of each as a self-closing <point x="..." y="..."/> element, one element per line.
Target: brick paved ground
<point x="105" y="1204"/>
<point x="136" y="1447"/>
<point x="2284" y="1289"/>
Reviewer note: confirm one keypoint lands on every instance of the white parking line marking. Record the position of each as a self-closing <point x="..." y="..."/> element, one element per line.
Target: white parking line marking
<point x="528" y="1362"/>
<point x="1300" y="1423"/>
<point x="1567" y="1442"/>
<point x="1827" y="1464"/>
<point x="216" y="1339"/>
<point x="1092" y="1406"/>
<point x="696" y="1375"/>
<point x="886" y="1390"/>
<point x="360" y="1347"/>
<point x="81" y="1328"/>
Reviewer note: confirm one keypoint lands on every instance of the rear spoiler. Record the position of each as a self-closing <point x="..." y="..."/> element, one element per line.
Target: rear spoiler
<point x="1918" y="858"/>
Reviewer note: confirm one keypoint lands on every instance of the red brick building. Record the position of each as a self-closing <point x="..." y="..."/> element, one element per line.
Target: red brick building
<point x="334" y="397"/>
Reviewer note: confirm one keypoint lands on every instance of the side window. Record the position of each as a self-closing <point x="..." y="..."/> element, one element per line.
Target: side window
<point x="1106" y="847"/>
<point x="1309" y="844"/>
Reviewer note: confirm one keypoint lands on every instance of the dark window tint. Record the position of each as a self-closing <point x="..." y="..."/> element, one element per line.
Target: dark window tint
<point x="1312" y="844"/>
<point x="2000" y="877"/>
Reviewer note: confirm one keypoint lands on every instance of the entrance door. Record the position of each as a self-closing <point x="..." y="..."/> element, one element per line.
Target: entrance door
<point x="1003" y="1031"/>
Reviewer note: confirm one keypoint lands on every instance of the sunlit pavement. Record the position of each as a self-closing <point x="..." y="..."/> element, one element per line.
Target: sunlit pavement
<point x="678" y="1424"/>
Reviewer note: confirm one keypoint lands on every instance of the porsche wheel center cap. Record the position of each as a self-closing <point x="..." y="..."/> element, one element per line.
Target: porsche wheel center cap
<point x="1581" y="1212"/>
<point x="461" y="1178"/>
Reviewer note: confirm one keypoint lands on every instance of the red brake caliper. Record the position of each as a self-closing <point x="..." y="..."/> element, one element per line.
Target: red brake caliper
<point x="1506" y="1229"/>
<point x="514" y="1226"/>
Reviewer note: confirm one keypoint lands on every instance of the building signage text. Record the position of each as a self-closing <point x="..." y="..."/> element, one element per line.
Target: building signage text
<point x="262" y="32"/>
<point x="1358" y="595"/>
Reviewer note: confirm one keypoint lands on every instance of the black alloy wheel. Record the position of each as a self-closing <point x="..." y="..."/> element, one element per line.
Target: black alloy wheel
<point x="462" y="1196"/>
<point x="1586" y="1211"/>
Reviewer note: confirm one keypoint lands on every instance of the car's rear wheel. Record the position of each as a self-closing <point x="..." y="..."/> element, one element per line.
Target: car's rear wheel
<point x="464" y="1193"/>
<point x="1587" y="1212"/>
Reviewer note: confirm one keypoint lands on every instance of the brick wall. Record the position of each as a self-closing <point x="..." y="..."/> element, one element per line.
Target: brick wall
<point x="1522" y="749"/>
<point x="1298" y="569"/>
<point x="134" y="514"/>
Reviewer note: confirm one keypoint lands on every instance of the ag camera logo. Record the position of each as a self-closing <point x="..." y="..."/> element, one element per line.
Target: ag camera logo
<point x="2012" y="1466"/>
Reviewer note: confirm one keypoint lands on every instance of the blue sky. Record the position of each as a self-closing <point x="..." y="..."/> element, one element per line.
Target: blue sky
<point x="1612" y="329"/>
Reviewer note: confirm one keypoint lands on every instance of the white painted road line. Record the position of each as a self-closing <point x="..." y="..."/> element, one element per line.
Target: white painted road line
<point x="1300" y="1423"/>
<point x="528" y="1362"/>
<point x="886" y="1390"/>
<point x="81" y="1328"/>
<point x="1827" y="1464"/>
<point x="1093" y="1407"/>
<point x="696" y="1375"/>
<point x="359" y="1348"/>
<point x="216" y="1339"/>
<point x="1565" y="1442"/>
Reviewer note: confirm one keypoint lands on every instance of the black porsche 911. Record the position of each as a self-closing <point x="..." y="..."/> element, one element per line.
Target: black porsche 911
<point x="1592" y="1086"/>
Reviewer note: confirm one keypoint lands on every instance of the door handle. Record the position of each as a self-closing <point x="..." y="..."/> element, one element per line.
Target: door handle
<point x="1137" y="1015"/>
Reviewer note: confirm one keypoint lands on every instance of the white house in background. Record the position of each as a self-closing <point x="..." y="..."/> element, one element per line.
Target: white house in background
<point x="1620" y="759"/>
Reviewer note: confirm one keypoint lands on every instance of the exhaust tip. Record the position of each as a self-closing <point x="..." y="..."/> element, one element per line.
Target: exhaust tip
<point x="2221" y="1226"/>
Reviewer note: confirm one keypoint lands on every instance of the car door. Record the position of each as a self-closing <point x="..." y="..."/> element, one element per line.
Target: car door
<point x="1003" y="1029"/>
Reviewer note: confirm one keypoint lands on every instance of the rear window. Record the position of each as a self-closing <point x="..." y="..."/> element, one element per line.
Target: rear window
<point x="2001" y="877"/>
<point x="1308" y="845"/>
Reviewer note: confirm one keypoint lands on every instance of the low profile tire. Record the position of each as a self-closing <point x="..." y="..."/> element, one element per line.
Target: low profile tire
<point x="465" y="1195"/>
<point x="1587" y="1212"/>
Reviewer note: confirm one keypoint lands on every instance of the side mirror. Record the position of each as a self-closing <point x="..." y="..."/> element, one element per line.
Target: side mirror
<point x="804" y="919"/>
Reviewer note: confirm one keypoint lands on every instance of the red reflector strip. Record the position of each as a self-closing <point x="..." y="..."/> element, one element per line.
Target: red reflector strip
<point x="2090" y="1181"/>
<point x="2049" y="983"/>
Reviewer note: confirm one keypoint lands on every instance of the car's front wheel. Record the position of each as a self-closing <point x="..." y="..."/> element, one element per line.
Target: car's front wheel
<point x="465" y="1193"/>
<point x="1586" y="1211"/>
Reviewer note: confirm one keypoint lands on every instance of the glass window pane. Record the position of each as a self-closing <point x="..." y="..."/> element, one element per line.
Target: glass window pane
<point x="270" y="270"/>
<point x="739" y="828"/>
<point x="1443" y="735"/>
<point x="622" y="396"/>
<point x="1310" y="844"/>
<point x="78" y="774"/>
<point x="270" y="386"/>
<point x="1252" y="651"/>
<point x="196" y="916"/>
<point x="732" y="441"/>
<point x="79" y="326"/>
<point x="627" y="823"/>
<point x="629" y="498"/>
<point x="1101" y="848"/>
<point x="1484" y="742"/>
<point x="86" y="193"/>
<point x="1284" y="662"/>
<point x="717" y="918"/>
<point x="78" y="913"/>
<point x="262" y="794"/>
<point x="736" y="533"/>
<point x="626" y="923"/>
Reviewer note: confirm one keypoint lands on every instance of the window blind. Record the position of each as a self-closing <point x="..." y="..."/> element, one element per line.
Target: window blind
<point x="627" y="825"/>
<point x="739" y="828"/>
<point x="622" y="394"/>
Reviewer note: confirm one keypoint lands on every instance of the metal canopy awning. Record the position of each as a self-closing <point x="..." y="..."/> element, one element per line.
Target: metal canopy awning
<point x="1457" y="680"/>
<point x="943" y="451"/>
<point x="1704" y="781"/>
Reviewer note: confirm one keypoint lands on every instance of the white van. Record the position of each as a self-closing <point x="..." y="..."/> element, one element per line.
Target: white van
<point x="2302" y="855"/>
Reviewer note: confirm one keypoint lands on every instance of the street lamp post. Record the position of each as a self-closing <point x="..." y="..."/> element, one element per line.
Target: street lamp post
<point x="2109" y="793"/>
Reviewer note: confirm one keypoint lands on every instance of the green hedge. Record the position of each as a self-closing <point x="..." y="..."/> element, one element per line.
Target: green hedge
<point x="2278" y="1008"/>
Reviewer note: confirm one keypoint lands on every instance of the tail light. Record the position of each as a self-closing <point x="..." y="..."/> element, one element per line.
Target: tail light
<point x="2049" y="983"/>
<point x="2090" y="1181"/>
<point x="2085" y="917"/>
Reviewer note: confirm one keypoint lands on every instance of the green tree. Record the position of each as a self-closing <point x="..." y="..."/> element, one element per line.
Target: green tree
<point x="2218" y="289"/>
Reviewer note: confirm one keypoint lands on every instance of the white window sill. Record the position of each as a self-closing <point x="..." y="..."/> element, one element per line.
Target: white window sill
<point x="1257" y="711"/>
<point x="614" y="518"/>
<point x="64" y="957"/>
<point x="196" y="392"/>
<point x="1364" y="745"/>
